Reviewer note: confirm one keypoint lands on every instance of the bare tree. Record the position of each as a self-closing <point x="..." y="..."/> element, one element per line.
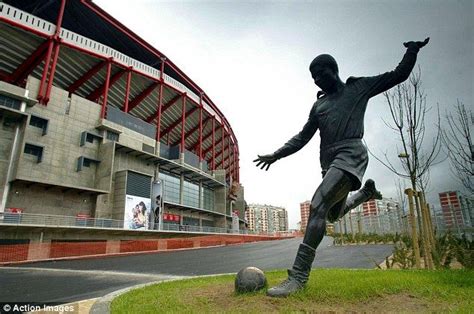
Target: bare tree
<point x="402" y="210"/>
<point x="459" y="146"/>
<point x="408" y="109"/>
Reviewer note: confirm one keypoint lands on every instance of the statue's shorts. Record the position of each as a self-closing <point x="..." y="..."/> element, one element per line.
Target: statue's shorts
<point x="349" y="155"/>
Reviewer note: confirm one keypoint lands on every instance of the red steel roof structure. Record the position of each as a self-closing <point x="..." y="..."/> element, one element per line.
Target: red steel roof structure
<point x="77" y="46"/>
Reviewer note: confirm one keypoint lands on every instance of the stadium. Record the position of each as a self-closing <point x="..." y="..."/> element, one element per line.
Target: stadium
<point x="101" y="129"/>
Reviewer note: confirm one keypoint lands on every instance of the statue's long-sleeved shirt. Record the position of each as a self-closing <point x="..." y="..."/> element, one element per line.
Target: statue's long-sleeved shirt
<point x="340" y="120"/>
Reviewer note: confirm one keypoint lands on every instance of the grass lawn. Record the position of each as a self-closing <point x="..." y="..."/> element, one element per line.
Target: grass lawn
<point x="335" y="290"/>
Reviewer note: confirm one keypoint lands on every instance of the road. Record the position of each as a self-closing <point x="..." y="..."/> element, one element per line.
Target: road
<point x="58" y="282"/>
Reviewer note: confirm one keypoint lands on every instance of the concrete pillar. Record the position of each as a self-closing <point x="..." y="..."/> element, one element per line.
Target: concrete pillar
<point x="201" y="195"/>
<point x="162" y="244"/>
<point x="11" y="164"/>
<point x="113" y="246"/>
<point x="181" y="189"/>
<point x="221" y="222"/>
<point x="38" y="249"/>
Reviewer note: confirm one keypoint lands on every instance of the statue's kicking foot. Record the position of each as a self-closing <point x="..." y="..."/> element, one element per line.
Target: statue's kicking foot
<point x="369" y="186"/>
<point x="287" y="287"/>
<point x="368" y="192"/>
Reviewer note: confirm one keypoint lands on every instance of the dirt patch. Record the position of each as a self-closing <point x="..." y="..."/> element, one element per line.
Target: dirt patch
<point x="222" y="298"/>
<point x="398" y="303"/>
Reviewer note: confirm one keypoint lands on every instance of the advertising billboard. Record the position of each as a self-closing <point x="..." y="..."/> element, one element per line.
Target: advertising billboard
<point x="137" y="213"/>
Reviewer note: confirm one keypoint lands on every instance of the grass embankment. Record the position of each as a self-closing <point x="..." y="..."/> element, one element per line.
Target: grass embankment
<point x="336" y="290"/>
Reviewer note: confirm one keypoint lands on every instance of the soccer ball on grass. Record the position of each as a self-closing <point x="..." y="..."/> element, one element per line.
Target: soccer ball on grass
<point x="250" y="279"/>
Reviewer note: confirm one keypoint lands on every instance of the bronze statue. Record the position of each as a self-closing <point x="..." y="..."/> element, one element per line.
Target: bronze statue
<point x="338" y="113"/>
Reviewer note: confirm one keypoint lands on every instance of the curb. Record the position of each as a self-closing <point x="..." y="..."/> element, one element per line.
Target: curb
<point x="102" y="305"/>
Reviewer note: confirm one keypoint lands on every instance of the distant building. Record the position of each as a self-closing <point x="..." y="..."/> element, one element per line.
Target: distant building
<point x="378" y="207"/>
<point x="304" y="209"/>
<point x="379" y="216"/>
<point x="457" y="209"/>
<point x="267" y="218"/>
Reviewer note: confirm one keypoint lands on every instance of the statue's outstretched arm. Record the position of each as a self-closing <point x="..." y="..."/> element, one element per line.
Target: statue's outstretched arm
<point x="381" y="83"/>
<point x="292" y="146"/>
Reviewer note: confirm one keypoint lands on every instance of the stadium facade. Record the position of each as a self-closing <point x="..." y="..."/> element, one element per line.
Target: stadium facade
<point x="95" y="122"/>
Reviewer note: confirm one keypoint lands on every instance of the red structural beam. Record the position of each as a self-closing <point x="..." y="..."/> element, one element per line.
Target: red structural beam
<point x="144" y="94"/>
<point x="30" y="63"/>
<point x="100" y="12"/>
<point x="49" y="86"/>
<point x="59" y="21"/>
<point x="165" y="107"/>
<point x="4" y="75"/>
<point x="221" y="152"/>
<point x="236" y="161"/>
<point x="190" y="132"/>
<point x="228" y="158"/>
<point x="195" y="145"/>
<point x="183" y="123"/>
<point x="223" y="160"/>
<point x="86" y="76"/>
<point x="213" y="145"/>
<point x="99" y="91"/>
<point x="177" y="122"/>
<point x="200" y="127"/>
<point x="106" y="91"/>
<point x="45" y="70"/>
<point x="223" y="141"/>
<point x="44" y="98"/>
<point x="160" y="100"/>
<point x="21" y="26"/>
<point x="127" y="89"/>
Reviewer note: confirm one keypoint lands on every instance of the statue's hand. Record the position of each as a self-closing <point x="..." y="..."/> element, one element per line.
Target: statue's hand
<point x="265" y="161"/>
<point x="418" y="44"/>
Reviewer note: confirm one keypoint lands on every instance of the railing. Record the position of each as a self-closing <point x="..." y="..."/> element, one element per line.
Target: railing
<point x="102" y="223"/>
<point x="72" y="38"/>
<point x="26" y="19"/>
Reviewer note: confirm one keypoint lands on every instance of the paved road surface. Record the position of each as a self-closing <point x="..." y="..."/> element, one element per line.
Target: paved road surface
<point x="68" y="281"/>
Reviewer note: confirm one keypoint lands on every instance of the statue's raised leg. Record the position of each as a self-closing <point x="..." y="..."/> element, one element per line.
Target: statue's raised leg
<point x="367" y="192"/>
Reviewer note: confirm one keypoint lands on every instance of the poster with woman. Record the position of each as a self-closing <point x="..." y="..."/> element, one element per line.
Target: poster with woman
<point x="136" y="212"/>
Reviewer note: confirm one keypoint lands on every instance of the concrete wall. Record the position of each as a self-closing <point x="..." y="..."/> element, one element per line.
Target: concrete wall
<point x="50" y="200"/>
<point x="127" y="136"/>
<point x="220" y="193"/>
<point x="62" y="141"/>
<point x="6" y="138"/>
<point x="239" y="203"/>
<point x="118" y="194"/>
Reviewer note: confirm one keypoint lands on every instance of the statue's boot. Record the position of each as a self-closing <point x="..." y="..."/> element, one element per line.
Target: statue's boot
<point x="298" y="275"/>
<point x="367" y="192"/>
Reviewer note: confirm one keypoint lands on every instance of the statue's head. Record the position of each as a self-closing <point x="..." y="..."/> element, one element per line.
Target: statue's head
<point x="324" y="71"/>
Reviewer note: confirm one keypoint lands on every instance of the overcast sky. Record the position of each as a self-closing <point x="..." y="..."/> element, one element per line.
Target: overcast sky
<point x="252" y="59"/>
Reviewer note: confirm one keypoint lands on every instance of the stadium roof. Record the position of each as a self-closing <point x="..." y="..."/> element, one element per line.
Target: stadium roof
<point x="91" y="44"/>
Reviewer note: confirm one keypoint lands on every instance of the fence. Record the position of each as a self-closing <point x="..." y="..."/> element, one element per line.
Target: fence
<point x="385" y="223"/>
<point x="102" y="223"/>
<point x="391" y="223"/>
